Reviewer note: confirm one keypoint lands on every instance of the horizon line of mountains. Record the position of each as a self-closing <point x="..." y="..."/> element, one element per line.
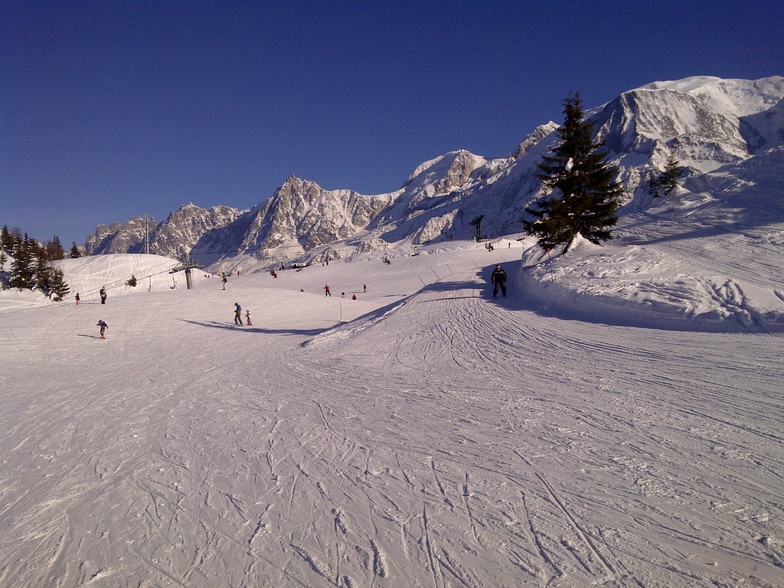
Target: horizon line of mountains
<point x="712" y="126"/>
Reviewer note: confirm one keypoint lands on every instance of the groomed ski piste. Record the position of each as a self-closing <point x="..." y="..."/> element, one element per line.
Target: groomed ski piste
<point x="615" y="421"/>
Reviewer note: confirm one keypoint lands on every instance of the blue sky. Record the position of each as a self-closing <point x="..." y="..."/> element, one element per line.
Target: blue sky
<point x="113" y="109"/>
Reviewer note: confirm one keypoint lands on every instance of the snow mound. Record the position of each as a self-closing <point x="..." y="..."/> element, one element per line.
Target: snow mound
<point x="650" y="286"/>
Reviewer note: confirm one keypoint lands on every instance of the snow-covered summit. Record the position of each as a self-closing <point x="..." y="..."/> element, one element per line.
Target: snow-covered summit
<point x="734" y="97"/>
<point x="705" y="122"/>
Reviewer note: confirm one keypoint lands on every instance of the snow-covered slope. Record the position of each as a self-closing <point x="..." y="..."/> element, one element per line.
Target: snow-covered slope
<point x="615" y="421"/>
<point x="423" y="434"/>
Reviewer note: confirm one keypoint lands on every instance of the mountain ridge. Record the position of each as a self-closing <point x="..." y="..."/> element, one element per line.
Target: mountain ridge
<point x="707" y="123"/>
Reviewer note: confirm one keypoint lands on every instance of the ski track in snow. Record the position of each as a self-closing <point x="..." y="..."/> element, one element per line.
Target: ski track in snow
<point x="433" y="439"/>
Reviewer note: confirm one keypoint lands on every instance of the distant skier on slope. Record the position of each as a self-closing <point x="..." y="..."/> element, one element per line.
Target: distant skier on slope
<point x="103" y="295"/>
<point x="103" y="326"/>
<point x="237" y="314"/>
<point x="326" y="290"/>
<point x="498" y="280"/>
<point x="247" y="318"/>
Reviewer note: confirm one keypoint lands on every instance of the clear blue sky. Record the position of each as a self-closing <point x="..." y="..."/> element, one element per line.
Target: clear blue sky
<point x="113" y="109"/>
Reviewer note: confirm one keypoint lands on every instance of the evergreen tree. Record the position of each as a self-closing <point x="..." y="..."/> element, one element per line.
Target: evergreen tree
<point x="59" y="288"/>
<point x="23" y="267"/>
<point x="54" y="250"/>
<point x="6" y="241"/>
<point x="43" y="275"/>
<point x="10" y="239"/>
<point x="583" y="192"/>
<point x="75" y="251"/>
<point x="671" y="174"/>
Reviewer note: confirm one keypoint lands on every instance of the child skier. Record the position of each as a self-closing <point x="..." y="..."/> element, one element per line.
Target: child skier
<point x="247" y="317"/>
<point x="103" y="326"/>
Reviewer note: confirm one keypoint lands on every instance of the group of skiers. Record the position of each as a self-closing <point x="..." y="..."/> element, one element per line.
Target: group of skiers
<point x="102" y="294"/>
<point x="327" y="292"/>
<point x="101" y="324"/>
<point x="238" y="315"/>
<point x="497" y="279"/>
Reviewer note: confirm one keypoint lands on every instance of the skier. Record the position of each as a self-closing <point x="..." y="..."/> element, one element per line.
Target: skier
<point x="326" y="290"/>
<point x="224" y="281"/>
<point x="237" y="314"/>
<point x="247" y="317"/>
<point x="498" y="280"/>
<point x="103" y="295"/>
<point x="78" y="300"/>
<point x="103" y="326"/>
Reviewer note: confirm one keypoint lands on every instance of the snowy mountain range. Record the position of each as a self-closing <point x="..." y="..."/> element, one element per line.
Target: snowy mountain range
<point x="728" y="133"/>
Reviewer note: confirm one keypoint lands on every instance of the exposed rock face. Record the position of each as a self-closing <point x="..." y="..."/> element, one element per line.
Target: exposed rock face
<point x="301" y="211"/>
<point x="117" y="238"/>
<point x="184" y="228"/>
<point x="174" y="237"/>
<point x="650" y="121"/>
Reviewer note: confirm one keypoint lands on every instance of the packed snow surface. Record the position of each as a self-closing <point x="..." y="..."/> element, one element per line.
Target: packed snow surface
<point x="616" y="421"/>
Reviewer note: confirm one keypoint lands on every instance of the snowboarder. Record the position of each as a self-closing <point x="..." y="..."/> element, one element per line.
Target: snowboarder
<point x="103" y="295"/>
<point x="326" y="290"/>
<point x="247" y="318"/>
<point x="237" y="314"/>
<point x="103" y="326"/>
<point x="498" y="280"/>
<point x="78" y="300"/>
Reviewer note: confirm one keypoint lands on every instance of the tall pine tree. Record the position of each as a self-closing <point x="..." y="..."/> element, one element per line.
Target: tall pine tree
<point x="54" y="249"/>
<point x="59" y="286"/>
<point x="671" y="174"/>
<point x="23" y="266"/>
<point x="581" y="186"/>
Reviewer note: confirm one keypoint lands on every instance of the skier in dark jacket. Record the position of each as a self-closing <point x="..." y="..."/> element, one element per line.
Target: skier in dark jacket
<point x="498" y="280"/>
<point x="237" y="314"/>
<point x="103" y="295"/>
<point x="103" y="326"/>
